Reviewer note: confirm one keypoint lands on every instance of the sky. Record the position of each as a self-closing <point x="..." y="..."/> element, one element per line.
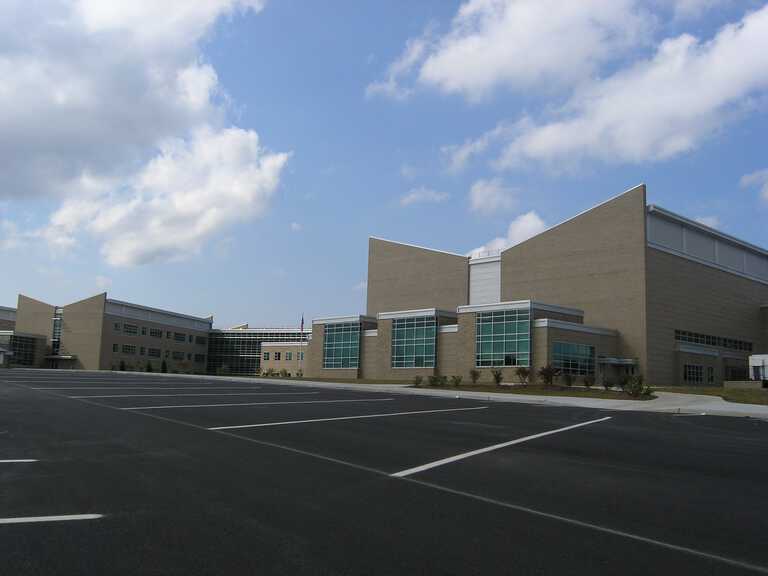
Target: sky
<point x="232" y="157"/>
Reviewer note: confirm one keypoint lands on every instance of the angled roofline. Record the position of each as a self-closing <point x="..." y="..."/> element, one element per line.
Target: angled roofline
<point x="208" y="319"/>
<point x="704" y="228"/>
<point x="611" y="199"/>
<point x="419" y="247"/>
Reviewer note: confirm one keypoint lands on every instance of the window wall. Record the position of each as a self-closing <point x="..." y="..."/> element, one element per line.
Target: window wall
<point x="574" y="359"/>
<point x="503" y="338"/>
<point x="414" y="341"/>
<point x="341" y="345"/>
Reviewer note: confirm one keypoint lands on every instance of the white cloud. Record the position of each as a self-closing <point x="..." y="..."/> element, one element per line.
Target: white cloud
<point x="296" y="227"/>
<point x="758" y="179"/>
<point x="459" y="155"/>
<point x="657" y="108"/>
<point x="392" y="86"/>
<point x="109" y="108"/>
<point x="9" y="235"/>
<point x="520" y="229"/>
<point x="103" y="282"/>
<point x="711" y="221"/>
<point x="423" y="195"/>
<point x="489" y="196"/>
<point x="693" y="8"/>
<point x="180" y="198"/>
<point x="518" y="44"/>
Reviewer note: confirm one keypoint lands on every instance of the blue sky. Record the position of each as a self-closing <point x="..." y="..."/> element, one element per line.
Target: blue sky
<point x="233" y="157"/>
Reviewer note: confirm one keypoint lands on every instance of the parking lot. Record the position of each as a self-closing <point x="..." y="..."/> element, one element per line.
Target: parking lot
<point x="115" y="473"/>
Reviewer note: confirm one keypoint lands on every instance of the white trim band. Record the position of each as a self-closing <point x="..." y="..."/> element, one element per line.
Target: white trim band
<point x="573" y="327"/>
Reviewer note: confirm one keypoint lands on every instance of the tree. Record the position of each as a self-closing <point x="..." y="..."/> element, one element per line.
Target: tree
<point x="523" y="374"/>
<point x="122" y="365"/>
<point x="149" y="366"/>
<point x="164" y="366"/>
<point x="498" y="376"/>
<point x="548" y="374"/>
<point x="474" y="375"/>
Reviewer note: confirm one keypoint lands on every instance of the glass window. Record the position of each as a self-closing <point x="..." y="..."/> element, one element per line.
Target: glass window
<point x="289" y="355"/>
<point x="502" y="338"/>
<point x="168" y="335"/>
<point x="129" y="349"/>
<point x="266" y="355"/>
<point x="277" y="355"/>
<point x="143" y="330"/>
<point x="413" y="342"/>
<point x="341" y="345"/>
<point x="693" y="373"/>
<point x="179" y="337"/>
<point x="118" y="327"/>
<point x="574" y="359"/>
<point x="115" y="348"/>
<point x="153" y="352"/>
<point x="707" y="340"/>
<point x="131" y="329"/>
<point x="155" y="333"/>
<point x="142" y="351"/>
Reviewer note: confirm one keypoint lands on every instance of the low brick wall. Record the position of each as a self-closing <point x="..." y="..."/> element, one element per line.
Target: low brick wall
<point x="752" y="384"/>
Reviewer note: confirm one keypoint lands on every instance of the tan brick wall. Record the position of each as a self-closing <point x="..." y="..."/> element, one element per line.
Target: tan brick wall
<point x="686" y="295"/>
<point x="293" y="366"/>
<point x="545" y="338"/>
<point x="402" y="277"/>
<point x="594" y="262"/>
<point x="447" y="355"/>
<point x="137" y="361"/>
<point x="35" y="317"/>
<point x="81" y="329"/>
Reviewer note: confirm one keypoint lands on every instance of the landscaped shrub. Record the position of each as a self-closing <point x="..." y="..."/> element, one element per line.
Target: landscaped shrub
<point x="456" y="381"/>
<point x="284" y="373"/>
<point x="299" y="373"/>
<point x="634" y="386"/>
<point x="418" y="380"/>
<point x="474" y="375"/>
<point x="589" y="381"/>
<point x="434" y="380"/>
<point x="523" y="374"/>
<point x="568" y="379"/>
<point x="442" y="381"/>
<point x="548" y="374"/>
<point x="498" y="376"/>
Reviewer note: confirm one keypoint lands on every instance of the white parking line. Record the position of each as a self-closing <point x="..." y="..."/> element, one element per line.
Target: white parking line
<point x="16" y="461"/>
<point x="257" y="404"/>
<point x="65" y="518"/>
<point x="176" y="395"/>
<point x="283" y="423"/>
<point x="450" y="459"/>
<point x="151" y="388"/>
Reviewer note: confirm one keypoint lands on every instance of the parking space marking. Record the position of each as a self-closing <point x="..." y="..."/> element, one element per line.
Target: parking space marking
<point x="151" y="388"/>
<point x="450" y="459"/>
<point x="258" y="403"/>
<point x="176" y="395"/>
<point x="283" y="423"/>
<point x="64" y="518"/>
<point x="16" y="461"/>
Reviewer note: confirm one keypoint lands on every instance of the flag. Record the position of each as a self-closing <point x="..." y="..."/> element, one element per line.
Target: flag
<point x="302" y="323"/>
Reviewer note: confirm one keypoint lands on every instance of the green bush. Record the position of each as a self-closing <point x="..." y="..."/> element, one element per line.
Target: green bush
<point x="498" y="376"/>
<point x="568" y="379"/>
<point x="589" y="381"/>
<point x="474" y="375"/>
<point x="607" y="384"/>
<point x="434" y="380"/>
<point x="456" y="381"/>
<point x="299" y="373"/>
<point x="284" y="373"/>
<point x="634" y="386"/>
<point x="523" y="374"/>
<point x="418" y="380"/>
<point x="443" y="380"/>
<point x="548" y="374"/>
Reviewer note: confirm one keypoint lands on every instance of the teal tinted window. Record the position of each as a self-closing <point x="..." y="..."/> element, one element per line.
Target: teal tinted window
<point x="341" y="345"/>
<point x="575" y="359"/>
<point x="503" y="338"/>
<point x="414" y="342"/>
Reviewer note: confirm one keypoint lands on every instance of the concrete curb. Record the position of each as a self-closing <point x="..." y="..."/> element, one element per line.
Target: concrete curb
<point x="666" y="402"/>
